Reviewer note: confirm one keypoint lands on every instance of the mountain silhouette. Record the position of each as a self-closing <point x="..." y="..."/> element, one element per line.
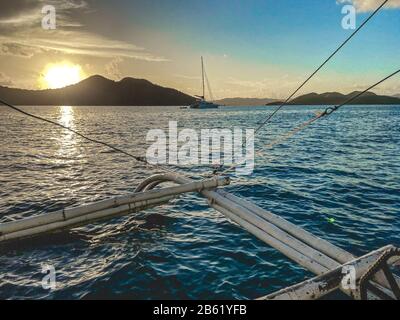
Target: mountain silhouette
<point x="98" y="90"/>
<point x="334" y="98"/>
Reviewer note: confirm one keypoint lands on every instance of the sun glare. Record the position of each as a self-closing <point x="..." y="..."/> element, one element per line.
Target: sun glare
<point x="60" y="75"/>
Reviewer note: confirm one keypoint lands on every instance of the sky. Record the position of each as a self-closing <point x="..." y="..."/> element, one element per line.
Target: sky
<point x="252" y="48"/>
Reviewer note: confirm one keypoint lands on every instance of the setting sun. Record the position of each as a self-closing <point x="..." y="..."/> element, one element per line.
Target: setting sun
<point x="60" y="75"/>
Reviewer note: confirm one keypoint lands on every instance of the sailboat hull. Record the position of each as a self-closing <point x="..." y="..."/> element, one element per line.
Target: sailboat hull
<point x="204" y="105"/>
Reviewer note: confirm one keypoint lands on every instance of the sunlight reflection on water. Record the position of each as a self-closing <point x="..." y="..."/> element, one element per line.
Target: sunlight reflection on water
<point x="67" y="140"/>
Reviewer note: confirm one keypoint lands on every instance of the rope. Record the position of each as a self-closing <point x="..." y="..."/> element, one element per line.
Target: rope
<point x="268" y="119"/>
<point x="209" y="87"/>
<point x="137" y="158"/>
<point x="328" y="111"/>
<point x="143" y="159"/>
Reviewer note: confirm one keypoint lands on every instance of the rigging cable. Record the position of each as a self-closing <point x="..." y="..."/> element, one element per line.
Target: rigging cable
<point x="209" y="87"/>
<point x="143" y="159"/>
<point x="137" y="158"/>
<point x="268" y="119"/>
<point x="328" y="111"/>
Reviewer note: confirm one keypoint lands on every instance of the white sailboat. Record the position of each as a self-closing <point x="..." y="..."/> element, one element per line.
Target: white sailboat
<point x="202" y="103"/>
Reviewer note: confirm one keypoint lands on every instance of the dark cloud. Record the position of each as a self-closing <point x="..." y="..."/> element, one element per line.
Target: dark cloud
<point x="23" y="12"/>
<point x="13" y="8"/>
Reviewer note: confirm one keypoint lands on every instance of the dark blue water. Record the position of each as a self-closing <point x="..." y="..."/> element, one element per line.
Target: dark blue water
<point x="339" y="179"/>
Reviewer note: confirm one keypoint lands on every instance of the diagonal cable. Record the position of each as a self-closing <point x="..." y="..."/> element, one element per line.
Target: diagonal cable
<point x="319" y="68"/>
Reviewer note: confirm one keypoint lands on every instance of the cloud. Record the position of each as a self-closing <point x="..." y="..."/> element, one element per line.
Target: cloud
<point x="262" y="88"/>
<point x="75" y="43"/>
<point x="186" y="77"/>
<point x="16" y="7"/>
<point x="21" y="34"/>
<point x="78" y="42"/>
<point x="19" y="15"/>
<point x="15" y="49"/>
<point x="5" y="80"/>
<point x="389" y="88"/>
<point x="23" y="13"/>
<point x="370" y="5"/>
<point x="256" y="84"/>
<point x="113" y="69"/>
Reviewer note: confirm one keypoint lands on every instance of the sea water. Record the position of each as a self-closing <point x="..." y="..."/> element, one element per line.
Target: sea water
<point x="339" y="179"/>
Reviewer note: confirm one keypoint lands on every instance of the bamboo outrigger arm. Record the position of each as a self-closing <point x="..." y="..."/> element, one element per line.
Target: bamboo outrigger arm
<point x="106" y="209"/>
<point x="313" y="253"/>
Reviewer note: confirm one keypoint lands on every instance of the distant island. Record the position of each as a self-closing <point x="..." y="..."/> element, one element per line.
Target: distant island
<point x="245" y="101"/>
<point x="98" y="90"/>
<point x="333" y="98"/>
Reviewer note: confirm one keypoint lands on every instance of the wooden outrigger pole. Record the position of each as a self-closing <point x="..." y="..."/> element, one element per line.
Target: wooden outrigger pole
<point x="106" y="209"/>
<point x="373" y="280"/>
<point x="366" y="267"/>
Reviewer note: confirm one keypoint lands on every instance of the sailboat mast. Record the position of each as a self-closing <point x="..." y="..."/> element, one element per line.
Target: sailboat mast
<point x="202" y="77"/>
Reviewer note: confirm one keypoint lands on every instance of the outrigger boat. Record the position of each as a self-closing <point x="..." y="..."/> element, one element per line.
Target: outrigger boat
<point x="371" y="276"/>
<point x="202" y="103"/>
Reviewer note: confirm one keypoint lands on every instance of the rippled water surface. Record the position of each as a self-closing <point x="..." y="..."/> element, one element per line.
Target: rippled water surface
<point x="339" y="179"/>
